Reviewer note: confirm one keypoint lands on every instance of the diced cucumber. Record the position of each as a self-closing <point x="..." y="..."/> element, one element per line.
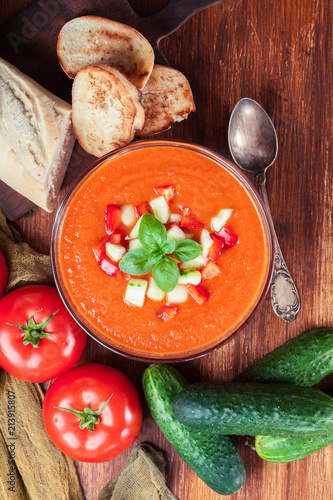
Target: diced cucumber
<point x="115" y="252"/>
<point x="136" y="291"/>
<point x="175" y="233"/>
<point x="189" y="277"/>
<point x="197" y="263"/>
<point x="154" y="292"/>
<point x="205" y="241"/>
<point x="160" y="209"/>
<point x="178" y="295"/>
<point x="135" y="231"/>
<point x="175" y="218"/>
<point x="128" y="216"/>
<point x="134" y="244"/>
<point x="221" y="219"/>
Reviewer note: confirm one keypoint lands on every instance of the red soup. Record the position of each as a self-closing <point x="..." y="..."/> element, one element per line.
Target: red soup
<point x="195" y="196"/>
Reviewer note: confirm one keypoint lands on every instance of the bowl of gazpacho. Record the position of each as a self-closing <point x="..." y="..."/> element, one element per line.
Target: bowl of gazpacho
<point x="162" y="250"/>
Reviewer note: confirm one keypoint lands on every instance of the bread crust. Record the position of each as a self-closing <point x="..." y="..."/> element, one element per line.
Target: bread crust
<point x="36" y="137"/>
<point x="167" y="98"/>
<point x="92" y="40"/>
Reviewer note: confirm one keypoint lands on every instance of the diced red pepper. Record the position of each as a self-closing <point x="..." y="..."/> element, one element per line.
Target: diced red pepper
<point x="199" y="293"/>
<point x="215" y="250"/>
<point x="117" y="237"/>
<point x="190" y="221"/>
<point x="99" y="248"/>
<point x="185" y="210"/>
<point x="169" y="192"/>
<point x="172" y="224"/>
<point x="143" y="208"/>
<point x="167" y="312"/>
<point x="108" y="266"/>
<point x="112" y="218"/>
<point x="125" y="276"/>
<point x="210" y="271"/>
<point x="228" y="236"/>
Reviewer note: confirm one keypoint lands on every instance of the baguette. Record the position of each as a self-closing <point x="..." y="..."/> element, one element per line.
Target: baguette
<point x="167" y="98"/>
<point x="91" y="40"/>
<point x="106" y="109"/>
<point x="36" y="137"/>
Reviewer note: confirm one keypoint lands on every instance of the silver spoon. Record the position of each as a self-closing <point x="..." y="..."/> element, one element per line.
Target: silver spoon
<point x="253" y="145"/>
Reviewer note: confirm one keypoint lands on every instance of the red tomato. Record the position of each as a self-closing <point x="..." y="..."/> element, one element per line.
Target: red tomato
<point x="3" y="273"/>
<point x="92" y="387"/>
<point x="33" y="351"/>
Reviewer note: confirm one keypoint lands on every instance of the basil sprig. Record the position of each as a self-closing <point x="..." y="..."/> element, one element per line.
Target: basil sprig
<point x="156" y="254"/>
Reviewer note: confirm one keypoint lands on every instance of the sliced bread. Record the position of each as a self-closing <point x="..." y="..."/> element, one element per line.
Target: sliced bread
<point x="36" y="137"/>
<point x="92" y="40"/>
<point x="106" y="109"/>
<point x="166" y="98"/>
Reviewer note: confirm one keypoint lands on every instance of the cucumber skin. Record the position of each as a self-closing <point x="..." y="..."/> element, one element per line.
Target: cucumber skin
<point x="214" y="459"/>
<point x="286" y="449"/>
<point x="304" y="360"/>
<point x="250" y="409"/>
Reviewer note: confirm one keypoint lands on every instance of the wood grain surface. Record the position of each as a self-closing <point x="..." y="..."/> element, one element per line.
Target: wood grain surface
<point x="280" y="54"/>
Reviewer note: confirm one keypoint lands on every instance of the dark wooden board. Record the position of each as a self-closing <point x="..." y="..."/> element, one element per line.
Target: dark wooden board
<point x="28" y="41"/>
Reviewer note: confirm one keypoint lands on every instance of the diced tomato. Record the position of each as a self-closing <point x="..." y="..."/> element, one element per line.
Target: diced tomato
<point x="169" y="192"/>
<point x="216" y="248"/>
<point x="199" y="293"/>
<point x="108" y="266"/>
<point x="167" y="312"/>
<point x="190" y="221"/>
<point x="112" y="218"/>
<point x="125" y="276"/>
<point x="228" y="236"/>
<point x="117" y="237"/>
<point x="143" y="208"/>
<point x="210" y="270"/>
<point x="99" y="248"/>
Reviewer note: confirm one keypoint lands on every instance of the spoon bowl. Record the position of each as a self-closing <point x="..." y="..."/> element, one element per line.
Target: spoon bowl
<point x="253" y="146"/>
<point x="252" y="137"/>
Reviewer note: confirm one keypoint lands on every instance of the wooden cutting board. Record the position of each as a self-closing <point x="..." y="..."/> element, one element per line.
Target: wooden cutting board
<point x="28" y="41"/>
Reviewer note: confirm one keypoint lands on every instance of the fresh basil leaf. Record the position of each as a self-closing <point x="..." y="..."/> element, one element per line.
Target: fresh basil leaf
<point x="166" y="274"/>
<point x="168" y="246"/>
<point x="155" y="256"/>
<point x="136" y="262"/>
<point x="187" y="250"/>
<point x="152" y="233"/>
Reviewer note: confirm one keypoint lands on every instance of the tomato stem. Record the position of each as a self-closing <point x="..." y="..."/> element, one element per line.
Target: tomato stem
<point x="34" y="332"/>
<point x="88" y="417"/>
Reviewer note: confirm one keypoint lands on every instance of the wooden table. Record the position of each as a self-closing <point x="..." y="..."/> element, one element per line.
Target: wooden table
<point x="280" y="54"/>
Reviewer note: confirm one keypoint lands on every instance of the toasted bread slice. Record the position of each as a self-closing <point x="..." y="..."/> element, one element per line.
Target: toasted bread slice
<point x="106" y="114"/>
<point x="91" y="40"/>
<point x="166" y="98"/>
<point x="36" y="137"/>
<point x="134" y="92"/>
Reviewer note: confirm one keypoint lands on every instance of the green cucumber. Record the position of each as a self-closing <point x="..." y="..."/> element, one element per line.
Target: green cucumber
<point x="250" y="409"/>
<point x="214" y="459"/>
<point x="304" y="360"/>
<point x="287" y="449"/>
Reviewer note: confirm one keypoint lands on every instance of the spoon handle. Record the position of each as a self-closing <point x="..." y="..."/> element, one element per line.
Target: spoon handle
<point x="284" y="295"/>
